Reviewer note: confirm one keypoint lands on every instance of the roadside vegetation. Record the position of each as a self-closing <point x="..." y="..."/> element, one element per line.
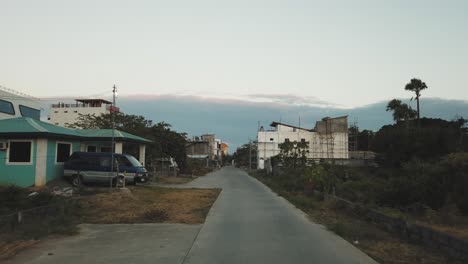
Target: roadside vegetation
<point x="148" y="205"/>
<point x="53" y="215"/>
<point x="370" y="237"/>
<point x="420" y="175"/>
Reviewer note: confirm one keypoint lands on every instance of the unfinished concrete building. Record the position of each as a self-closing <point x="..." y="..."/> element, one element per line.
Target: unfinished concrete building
<point x="327" y="141"/>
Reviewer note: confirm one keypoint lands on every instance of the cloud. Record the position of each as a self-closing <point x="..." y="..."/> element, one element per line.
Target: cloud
<point x="279" y="100"/>
<point x="295" y="100"/>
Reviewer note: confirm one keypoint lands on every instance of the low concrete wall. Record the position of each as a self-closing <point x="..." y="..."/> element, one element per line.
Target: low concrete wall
<point x="454" y="246"/>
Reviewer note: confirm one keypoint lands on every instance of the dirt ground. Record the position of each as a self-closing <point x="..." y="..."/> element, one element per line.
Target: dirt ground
<point x="148" y="205"/>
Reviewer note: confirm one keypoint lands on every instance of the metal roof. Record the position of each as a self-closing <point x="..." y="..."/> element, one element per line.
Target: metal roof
<point x="107" y="133"/>
<point x="25" y="126"/>
<point x="93" y="101"/>
<point x="275" y="124"/>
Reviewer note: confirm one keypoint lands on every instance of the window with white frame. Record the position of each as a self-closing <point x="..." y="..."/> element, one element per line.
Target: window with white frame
<point x="91" y="149"/>
<point x="63" y="151"/>
<point x="19" y="152"/>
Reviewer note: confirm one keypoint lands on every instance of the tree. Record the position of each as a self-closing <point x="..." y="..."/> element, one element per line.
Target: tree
<point x="166" y="142"/>
<point x="294" y="154"/>
<point x="401" y="111"/>
<point x="416" y="86"/>
<point x="433" y="139"/>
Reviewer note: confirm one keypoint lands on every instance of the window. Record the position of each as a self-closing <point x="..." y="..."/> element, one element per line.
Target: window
<point x="6" y="107"/>
<point x="65" y="111"/>
<point x="303" y="140"/>
<point x="56" y="124"/>
<point x="286" y="140"/>
<point x="271" y="139"/>
<point x="92" y="149"/>
<point x="20" y="151"/>
<point x="123" y="161"/>
<point x="30" y="112"/>
<point x="63" y="152"/>
<point x="56" y="112"/>
<point x="106" y="149"/>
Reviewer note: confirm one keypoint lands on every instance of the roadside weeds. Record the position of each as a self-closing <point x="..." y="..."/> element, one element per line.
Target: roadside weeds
<point x="382" y="246"/>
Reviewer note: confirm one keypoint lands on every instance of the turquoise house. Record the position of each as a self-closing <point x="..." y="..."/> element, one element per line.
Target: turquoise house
<point x="33" y="152"/>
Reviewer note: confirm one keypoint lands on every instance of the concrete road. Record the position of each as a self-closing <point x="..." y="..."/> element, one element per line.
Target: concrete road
<point x="250" y="224"/>
<point x="118" y="244"/>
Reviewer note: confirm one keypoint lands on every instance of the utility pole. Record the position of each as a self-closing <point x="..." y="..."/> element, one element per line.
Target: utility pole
<point x="250" y="155"/>
<point x="113" y="109"/>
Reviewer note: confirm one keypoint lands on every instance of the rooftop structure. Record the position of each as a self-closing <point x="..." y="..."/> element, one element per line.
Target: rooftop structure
<point x="66" y="114"/>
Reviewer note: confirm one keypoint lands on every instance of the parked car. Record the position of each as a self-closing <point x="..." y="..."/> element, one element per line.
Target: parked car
<point x="95" y="167"/>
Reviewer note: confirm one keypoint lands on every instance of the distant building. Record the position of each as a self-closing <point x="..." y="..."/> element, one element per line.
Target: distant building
<point x="327" y="141"/>
<point x="207" y="147"/>
<point x="224" y="148"/>
<point x="15" y="104"/>
<point x="62" y="114"/>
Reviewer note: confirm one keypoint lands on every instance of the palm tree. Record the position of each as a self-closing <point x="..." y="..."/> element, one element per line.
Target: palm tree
<point x="416" y="86"/>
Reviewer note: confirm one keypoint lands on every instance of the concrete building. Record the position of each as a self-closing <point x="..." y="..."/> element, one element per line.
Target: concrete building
<point x="62" y="114"/>
<point x="33" y="152"/>
<point x="15" y="104"/>
<point x="206" y="147"/>
<point x="327" y="141"/>
<point x="224" y="148"/>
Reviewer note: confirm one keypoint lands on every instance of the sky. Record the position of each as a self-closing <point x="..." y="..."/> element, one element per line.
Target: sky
<point x="331" y="53"/>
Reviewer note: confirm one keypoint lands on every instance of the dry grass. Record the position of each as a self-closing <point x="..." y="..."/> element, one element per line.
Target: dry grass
<point x="174" y="180"/>
<point x="10" y="249"/>
<point x="149" y="205"/>
<point x="383" y="246"/>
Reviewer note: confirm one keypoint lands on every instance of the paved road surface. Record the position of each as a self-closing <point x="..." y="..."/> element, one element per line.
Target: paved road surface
<point x="250" y="224"/>
<point x="247" y="224"/>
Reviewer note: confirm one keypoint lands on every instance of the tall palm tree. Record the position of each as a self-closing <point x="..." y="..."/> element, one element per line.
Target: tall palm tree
<point x="416" y="86"/>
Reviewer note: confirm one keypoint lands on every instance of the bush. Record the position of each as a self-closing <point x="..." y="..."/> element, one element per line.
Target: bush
<point x="455" y="168"/>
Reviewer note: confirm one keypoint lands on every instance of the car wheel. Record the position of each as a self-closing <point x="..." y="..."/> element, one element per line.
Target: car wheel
<point x="120" y="181"/>
<point x="76" y="181"/>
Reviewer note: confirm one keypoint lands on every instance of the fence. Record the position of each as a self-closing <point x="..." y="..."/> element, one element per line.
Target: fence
<point x="13" y="220"/>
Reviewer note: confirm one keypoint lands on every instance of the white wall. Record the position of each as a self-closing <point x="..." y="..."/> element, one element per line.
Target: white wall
<point x="68" y="115"/>
<point x="333" y="146"/>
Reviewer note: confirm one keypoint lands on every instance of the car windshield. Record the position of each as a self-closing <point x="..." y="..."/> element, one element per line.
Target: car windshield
<point x="134" y="161"/>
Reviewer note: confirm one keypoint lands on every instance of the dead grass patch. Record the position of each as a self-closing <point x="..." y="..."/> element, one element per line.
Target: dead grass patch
<point x="149" y="205"/>
<point x="174" y="180"/>
<point x="9" y="249"/>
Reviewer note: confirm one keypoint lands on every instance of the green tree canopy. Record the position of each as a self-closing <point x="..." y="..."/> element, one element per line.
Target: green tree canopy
<point x="401" y="111"/>
<point x="166" y="142"/>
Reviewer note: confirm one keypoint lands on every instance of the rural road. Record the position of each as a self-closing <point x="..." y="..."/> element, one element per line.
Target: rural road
<point x="248" y="223"/>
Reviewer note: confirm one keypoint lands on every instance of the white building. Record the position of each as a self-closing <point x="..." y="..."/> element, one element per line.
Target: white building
<point x="16" y="104"/>
<point x="328" y="140"/>
<point x="63" y="114"/>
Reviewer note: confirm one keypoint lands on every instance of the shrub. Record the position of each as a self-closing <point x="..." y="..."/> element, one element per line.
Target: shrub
<point x="456" y="175"/>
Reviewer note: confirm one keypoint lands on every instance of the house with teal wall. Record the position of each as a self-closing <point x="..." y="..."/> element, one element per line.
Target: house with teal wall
<point x="33" y="152"/>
